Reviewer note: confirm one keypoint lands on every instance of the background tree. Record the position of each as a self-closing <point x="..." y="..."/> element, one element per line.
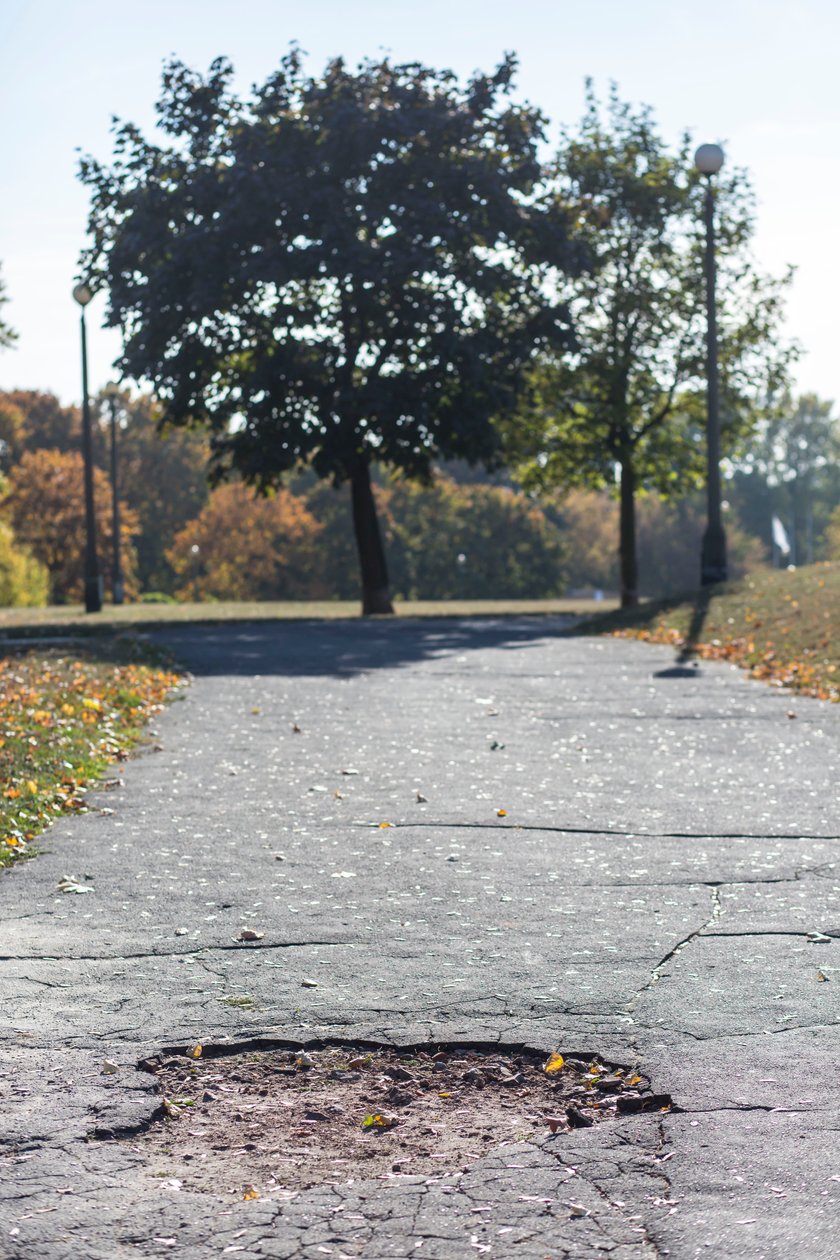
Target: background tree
<point x="162" y="477"/>
<point x="34" y="420"/>
<point x="343" y="269"/>
<point x="450" y="541"/>
<point x="8" y="336"/>
<point x="670" y="532"/>
<point x="628" y="405"/>
<point x="791" y="468"/>
<point x="45" y="504"/>
<point x="242" y="546"/>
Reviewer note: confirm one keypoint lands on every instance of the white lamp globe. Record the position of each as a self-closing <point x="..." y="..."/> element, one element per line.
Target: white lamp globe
<point x="709" y="159"/>
<point x="83" y="294"/>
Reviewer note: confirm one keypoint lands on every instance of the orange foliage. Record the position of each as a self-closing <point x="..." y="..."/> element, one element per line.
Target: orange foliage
<point x="243" y="547"/>
<point x="45" y="503"/>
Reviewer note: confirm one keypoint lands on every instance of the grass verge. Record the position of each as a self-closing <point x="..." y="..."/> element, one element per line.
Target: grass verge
<point x="72" y="619"/>
<point x="63" y="718"/>
<point x="784" y="627"/>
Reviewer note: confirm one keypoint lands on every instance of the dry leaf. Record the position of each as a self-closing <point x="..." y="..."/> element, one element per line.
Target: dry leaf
<point x="554" y="1064"/>
<point x="194" y="1052"/>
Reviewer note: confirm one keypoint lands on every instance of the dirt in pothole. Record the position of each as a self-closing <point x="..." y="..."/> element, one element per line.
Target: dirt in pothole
<point x="280" y="1121"/>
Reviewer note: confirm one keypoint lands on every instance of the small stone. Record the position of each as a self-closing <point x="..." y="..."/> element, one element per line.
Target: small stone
<point x="398" y="1073"/>
<point x="577" y="1119"/>
<point x="610" y="1084"/>
<point x="279" y="857"/>
<point x="180" y="931"/>
<point x="248" y="934"/>
<point x="577" y="1210"/>
<point x="208" y="1096"/>
<point x="109" y="1067"/>
<point x="304" y="1060"/>
<point x="817" y="938"/>
<point x="309" y="984"/>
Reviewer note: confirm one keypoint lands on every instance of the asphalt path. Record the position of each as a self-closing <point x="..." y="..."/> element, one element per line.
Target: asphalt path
<point x="660" y="890"/>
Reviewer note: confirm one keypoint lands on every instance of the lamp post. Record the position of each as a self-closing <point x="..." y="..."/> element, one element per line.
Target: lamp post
<point x="117" y="581"/>
<point x="709" y="159"/>
<point x="93" y="582"/>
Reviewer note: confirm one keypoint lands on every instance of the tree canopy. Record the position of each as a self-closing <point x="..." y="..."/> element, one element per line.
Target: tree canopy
<point x="348" y="268"/>
<point x="631" y="395"/>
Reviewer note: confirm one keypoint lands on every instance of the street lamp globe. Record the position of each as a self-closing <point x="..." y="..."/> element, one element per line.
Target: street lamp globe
<point x="709" y="159"/>
<point x="83" y="294"/>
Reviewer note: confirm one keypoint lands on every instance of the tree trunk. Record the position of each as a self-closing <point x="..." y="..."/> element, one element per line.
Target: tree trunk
<point x="627" y="533"/>
<point x="375" y="597"/>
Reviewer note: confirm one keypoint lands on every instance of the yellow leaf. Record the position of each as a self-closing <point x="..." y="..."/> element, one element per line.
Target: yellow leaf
<point x="377" y="1121"/>
<point x="32" y="787"/>
<point x="501" y="813"/>
<point x="194" y="1052"/>
<point x="555" y="1063"/>
<point x="386" y="824"/>
<point x="634" y="1080"/>
<point x="251" y="1192"/>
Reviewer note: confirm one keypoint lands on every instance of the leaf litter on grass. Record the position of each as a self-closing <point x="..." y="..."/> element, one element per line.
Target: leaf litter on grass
<point x="62" y="720"/>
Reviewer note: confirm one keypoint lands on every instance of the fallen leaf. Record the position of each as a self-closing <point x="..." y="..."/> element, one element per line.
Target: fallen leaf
<point x="109" y="1067"/>
<point x="379" y="1121"/>
<point x="555" y="1063"/>
<point x="194" y="1052"/>
<point x="295" y="729"/>
<point x="251" y="1192"/>
<point x="420" y="798"/>
<point x="555" y="1122"/>
<point x="501" y="813"/>
<point x="248" y="934"/>
<point x="385" y="824"/>
<point x="69" y="884"/>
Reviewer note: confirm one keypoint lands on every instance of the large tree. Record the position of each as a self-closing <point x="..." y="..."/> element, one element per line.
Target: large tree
<point x="342" y="269"/>
<point x="628" y="406"/>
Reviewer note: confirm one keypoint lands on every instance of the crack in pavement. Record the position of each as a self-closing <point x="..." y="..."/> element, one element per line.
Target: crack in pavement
<point x="595" y="830"/>
<point x="247" y="946"/>
<point x="656" y="973"/>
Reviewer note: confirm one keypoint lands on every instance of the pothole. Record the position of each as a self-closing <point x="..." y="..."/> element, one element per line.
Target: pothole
<point x="270" y="1122"/>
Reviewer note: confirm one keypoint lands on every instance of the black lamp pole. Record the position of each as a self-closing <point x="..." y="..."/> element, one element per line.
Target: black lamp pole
<point x="713" y="567"/>
<point x="93" y="580"/>
<point x="119" y="590"/>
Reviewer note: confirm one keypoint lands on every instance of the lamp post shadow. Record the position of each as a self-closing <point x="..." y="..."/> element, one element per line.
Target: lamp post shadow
<point x="686" y="666"/>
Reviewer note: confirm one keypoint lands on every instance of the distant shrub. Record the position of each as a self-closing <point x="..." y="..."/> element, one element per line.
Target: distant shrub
<point x="24" y="581"/>
<point x="157" y="597"/>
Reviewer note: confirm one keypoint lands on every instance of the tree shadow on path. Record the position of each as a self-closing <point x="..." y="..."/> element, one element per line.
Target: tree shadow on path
<point x="348" y="648"/>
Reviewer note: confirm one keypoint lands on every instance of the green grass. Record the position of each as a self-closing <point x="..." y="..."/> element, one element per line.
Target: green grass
<point x="72" y="619"/>
<point x="783" y="626"/>
<point x="63" y="718"/>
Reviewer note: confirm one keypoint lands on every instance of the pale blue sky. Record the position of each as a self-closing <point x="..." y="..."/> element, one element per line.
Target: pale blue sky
<point x="756" y="75"/>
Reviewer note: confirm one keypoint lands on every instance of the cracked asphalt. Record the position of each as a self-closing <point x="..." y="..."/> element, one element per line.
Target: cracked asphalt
<point x="661" y="890"/>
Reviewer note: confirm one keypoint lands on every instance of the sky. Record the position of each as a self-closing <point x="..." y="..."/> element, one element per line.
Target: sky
<point x="757" y="76"/>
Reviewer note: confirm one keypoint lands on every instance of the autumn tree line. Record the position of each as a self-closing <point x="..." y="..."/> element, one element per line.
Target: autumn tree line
<point x="458" y="537"/>
<point x="416" y="351"/>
